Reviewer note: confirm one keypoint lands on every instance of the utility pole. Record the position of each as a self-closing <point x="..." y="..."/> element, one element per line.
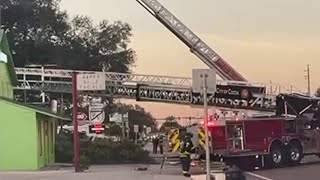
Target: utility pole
<point x="307" y="76"/>
<point x="123" y="127"/>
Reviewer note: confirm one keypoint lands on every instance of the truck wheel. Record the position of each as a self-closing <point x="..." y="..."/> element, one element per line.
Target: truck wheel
<point x="295" y="153"/>
<point x="275" y="158"/>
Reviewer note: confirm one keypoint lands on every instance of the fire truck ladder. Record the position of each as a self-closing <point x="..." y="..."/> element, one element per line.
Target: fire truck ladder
<point x="141" y="87"/>
<point x="196" y="45"/>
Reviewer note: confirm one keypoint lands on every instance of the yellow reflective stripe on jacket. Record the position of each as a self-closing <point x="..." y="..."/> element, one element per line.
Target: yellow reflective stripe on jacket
<point x="176" y="147"/>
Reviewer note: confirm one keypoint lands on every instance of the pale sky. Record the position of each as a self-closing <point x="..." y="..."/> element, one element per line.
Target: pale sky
<point x="265" y="40"/>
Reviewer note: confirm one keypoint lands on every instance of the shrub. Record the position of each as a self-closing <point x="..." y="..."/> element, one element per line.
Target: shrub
<point x="100" y="151"/>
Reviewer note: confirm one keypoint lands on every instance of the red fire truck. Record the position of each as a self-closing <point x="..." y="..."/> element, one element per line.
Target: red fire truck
<point x="279" y="140"/>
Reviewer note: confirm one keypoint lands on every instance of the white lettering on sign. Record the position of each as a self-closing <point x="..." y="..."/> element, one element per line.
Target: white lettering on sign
<point x="91" y="82"/>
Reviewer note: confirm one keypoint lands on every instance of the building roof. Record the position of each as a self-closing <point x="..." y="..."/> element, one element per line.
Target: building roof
<point x="4" y="47"/>
<point x="40" y="110"/>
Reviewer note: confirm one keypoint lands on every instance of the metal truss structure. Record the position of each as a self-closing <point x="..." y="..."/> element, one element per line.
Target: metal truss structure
<point x="233" y="92"/>
<point x="146" y="88"/>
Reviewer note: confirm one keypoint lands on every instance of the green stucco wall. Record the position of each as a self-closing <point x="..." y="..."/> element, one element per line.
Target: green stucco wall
<point x="6" y="89"/>
<point x="27" y="138"/>
<point x="18" y="142"/>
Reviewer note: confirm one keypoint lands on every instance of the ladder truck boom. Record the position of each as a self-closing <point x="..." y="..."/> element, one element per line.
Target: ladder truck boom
<point x="196" y="45"/>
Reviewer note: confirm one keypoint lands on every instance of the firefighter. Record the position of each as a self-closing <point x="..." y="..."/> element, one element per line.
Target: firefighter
<point x="186" y="148"/>
<point x="155" y="142"/>
<point x="161" y="144"/>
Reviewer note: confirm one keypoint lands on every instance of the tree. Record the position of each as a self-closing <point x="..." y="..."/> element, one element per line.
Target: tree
<point x="170" y="123"/>
<point x="137" y="116"/>
<point x="35" y="29"/>
<point x="40" y="33"/>
<point x="114" y="130"/>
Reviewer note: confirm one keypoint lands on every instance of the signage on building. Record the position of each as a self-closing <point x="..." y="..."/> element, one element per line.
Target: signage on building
<point x="91" y="82"/>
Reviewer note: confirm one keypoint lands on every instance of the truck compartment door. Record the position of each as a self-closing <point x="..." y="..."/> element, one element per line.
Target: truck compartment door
<point x="235" y="136"/>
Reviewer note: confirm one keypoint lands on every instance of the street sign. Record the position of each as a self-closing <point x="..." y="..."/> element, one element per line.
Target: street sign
<point x="116" y="117"/>
<point x="126" y="117"/>
<point x="198" y="82"/>
<point x="96" y="113"/>
<point x="148" y="130"/>
<point x="81" y="116"/>
<point x="136" y="128"/>
<point x="91" y="82"/>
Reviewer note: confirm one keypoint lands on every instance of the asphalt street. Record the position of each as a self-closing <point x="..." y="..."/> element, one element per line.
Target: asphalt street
<point x="309" y="170"/>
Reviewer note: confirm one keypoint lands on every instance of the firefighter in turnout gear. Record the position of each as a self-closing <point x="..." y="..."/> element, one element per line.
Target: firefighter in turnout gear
<point x="186" y="148"/>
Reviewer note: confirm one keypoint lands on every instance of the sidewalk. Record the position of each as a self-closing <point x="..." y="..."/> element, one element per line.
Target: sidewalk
<point x="118" y="172"/>
<point x="199" y="177"/>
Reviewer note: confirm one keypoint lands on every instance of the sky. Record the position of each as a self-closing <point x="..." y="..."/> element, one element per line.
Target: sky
<point x="265" y="40"/>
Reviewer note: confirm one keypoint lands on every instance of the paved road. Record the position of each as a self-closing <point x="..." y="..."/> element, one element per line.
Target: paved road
<point x="114" y="172"/>
<point x="309" y="170"/>
<point x="304" y="172"/>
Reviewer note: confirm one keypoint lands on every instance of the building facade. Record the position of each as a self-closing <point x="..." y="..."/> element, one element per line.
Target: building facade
<point x="27" y="133"/>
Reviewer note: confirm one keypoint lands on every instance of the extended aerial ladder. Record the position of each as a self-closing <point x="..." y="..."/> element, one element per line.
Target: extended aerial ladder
<point x="196" y="45"/>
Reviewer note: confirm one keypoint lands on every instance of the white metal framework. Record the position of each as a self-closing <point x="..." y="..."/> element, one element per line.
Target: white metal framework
<point x="145" y="88"/>
<point x="196" y="45"/>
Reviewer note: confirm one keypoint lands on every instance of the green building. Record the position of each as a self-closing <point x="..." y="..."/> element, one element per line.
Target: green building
<point x="27" y="133"/>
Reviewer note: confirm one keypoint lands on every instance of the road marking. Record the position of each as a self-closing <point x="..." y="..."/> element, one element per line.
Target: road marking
<point x="258" y="176"/>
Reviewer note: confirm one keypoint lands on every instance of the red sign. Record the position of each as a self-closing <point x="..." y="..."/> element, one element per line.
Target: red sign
<point x="82" y="116"/>
<point x="99" y="128"/>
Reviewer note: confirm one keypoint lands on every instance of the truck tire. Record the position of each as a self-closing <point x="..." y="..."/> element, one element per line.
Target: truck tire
<point x="275" y="158"/>
<point x="295" y="153"/>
